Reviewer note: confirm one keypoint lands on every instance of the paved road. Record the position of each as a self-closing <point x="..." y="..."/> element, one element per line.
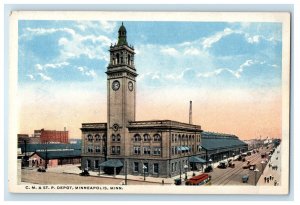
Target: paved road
<point x="233" y="176"/>
<point x="32" y="176"/>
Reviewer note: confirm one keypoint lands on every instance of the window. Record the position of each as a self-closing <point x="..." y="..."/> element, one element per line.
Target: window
<point x="97" y="149"/>
<point x="113" y="138"/>
<point x="175" y="137"/>
<point x="113" y="149"/>
<point x="137" y="137"/>
<point x="88" y="163"/>
<point x="175" y="167"/>
<point x="156" y="150"/>
<point x="172" y="167"/>
<point x="172" y="137"/>
<point x="155" y="168"/>
<point x="146" y="150"/>
<point x="156" y="137"/>
<point x="90" y="149"/>
<point x="96" y="164"/>
<point x="118" y="137"/>
<point x="136" y="166"/>
<point x="136" y="150"/>
<point x="97" y="138"/>
<point x="103" y="150"/>
<point x="173" y="150"/>
<point x="146" y="167"/>
<point x="90" y="138"/>
<point x="147" y="137"/>
<point x="118" y="149"/>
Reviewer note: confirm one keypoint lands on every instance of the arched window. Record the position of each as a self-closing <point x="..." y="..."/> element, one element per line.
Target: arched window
<point x="118" y="58"/>
<point x="129" y="63"/>
<point x="113" y="137"/>
<point x="137" y="137"/>
<point x="97" y="137"/>
<point x="118" y="137"/>
<point x="90" y="138"/>
<point x="156" y="137"/>
<point x="147" y="137"/>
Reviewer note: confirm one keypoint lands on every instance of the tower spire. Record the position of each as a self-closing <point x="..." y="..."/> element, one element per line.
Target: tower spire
<point x="191" y="113"/>
<point x="122" y="39"/>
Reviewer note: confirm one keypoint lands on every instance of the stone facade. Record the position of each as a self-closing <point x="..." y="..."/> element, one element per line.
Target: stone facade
<point x="153" y="148"/>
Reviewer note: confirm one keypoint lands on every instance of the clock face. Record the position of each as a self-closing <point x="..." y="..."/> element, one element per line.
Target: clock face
<point x="115" y="85"/>
<point x="130" y="86"/>
<point x="115" y="127"/>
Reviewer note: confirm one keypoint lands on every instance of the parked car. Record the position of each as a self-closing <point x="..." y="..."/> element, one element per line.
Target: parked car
<point x="248" y="153"/>
<point x="201" y="179"/>
<point x="231" y="164"/>
<point x="41" y="169"/>
<point x="246" y="166"/>
<point x="245" y="178"/>
<point x="208" y="169"/>
<point x="222" y="165"/>
<point x="85" y="173"/>
<point x="177" y="181"/>
<point x="252" y="167"/>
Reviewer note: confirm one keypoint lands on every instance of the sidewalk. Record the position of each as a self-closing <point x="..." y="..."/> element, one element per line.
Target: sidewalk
<point x="272" y="172"/>
<point x="72" y="169"/>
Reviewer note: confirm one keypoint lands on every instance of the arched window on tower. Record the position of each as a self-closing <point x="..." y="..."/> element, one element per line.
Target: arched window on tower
<point x="118" y="58"/>
<point x="137" y="137"/>
<point x="129" y="60"/>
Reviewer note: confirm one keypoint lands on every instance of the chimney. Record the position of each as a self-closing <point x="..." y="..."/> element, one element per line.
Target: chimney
<point x="65" y="128"/>
<point x="190" y="114"/>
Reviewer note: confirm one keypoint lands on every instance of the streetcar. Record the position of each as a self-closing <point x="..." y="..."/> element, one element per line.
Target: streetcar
<point x="199" y="180"/>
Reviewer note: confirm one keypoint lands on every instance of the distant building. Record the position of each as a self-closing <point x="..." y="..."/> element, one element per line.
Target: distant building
<point x="23" y="138"/>
<point x="51" y="136"/>
<point x="56" y="154"/>
<point x="34" y="140"/>
<point x="219" y="146"/>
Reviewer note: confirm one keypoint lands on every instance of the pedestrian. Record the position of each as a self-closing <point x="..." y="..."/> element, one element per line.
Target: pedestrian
<point x="268" y="179"/>
<point x="275" y="183"/>
<point x="265" y="179"/>
<point x="163" y="182"/>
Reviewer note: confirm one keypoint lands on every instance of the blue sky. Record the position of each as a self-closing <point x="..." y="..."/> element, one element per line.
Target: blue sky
<point x="225" y="68"/>
<point x="168" y="53"/>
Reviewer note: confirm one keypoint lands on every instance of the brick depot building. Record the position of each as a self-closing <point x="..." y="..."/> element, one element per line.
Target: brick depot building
<point x="52" y="136"/>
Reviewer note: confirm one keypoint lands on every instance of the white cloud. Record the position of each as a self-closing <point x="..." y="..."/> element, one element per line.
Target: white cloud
<point x="102" y="25"/>
<point x="211" y="74"/>
<point x="192" y="51"/>
<point x="274" y="66"/>
<point x="177" y="76"/>
<point x="169" y="51"/>
<point x="44" y="77"/>
<point x="31" y="77"/>
<point x="46" y="31"/>
<point x="51" y="65"/>
<point x="253" y="39"/>
<point x="209" y="41"/>
<point x="85" y="71"/>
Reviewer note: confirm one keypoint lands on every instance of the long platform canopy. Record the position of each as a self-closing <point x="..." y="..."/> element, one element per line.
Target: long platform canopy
<point x="195" y="159"/>
<point x="112" y="163"/>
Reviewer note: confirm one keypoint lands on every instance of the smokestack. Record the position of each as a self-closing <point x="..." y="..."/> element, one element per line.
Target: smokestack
<point x="190" y="114"/>
<point x="65" y="128"/>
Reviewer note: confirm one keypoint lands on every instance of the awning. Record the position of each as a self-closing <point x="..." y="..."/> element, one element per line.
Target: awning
<point x="194" y="159"/>
<point x="112" y="163"/>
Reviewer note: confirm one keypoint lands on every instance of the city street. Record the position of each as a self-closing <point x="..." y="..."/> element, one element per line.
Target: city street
<point x="233" y="176"/>
<point x="69" y="174"/>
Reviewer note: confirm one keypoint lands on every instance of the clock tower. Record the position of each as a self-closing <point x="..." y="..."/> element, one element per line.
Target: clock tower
<point x="121" y="95"/>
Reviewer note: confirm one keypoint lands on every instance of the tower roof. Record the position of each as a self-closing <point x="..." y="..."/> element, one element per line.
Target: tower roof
<point x="122" y="39"/>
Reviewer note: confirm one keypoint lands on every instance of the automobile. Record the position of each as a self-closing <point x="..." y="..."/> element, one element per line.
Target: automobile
<point x="254" y="151"/>
<point x="245" y="178"/>
<point x="177" y="181"/>
<point x="263" y="155"/>
<point x="246" y="166"/>
<point x="244" y="155"/>
<point x="243" y="159"/>
<point x="231" y="165"/>
<point x="248" y="153"/>
<point x="84" y="173"/>
<point x="41" y="169"/>
<point x="208" y="169"/>
<point x="239" y="158"/>
<point x="222" y="165"/>
<point x="252" y="167"/>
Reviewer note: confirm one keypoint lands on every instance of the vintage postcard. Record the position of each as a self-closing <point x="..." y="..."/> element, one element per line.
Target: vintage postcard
<point x="149" y="102"/>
